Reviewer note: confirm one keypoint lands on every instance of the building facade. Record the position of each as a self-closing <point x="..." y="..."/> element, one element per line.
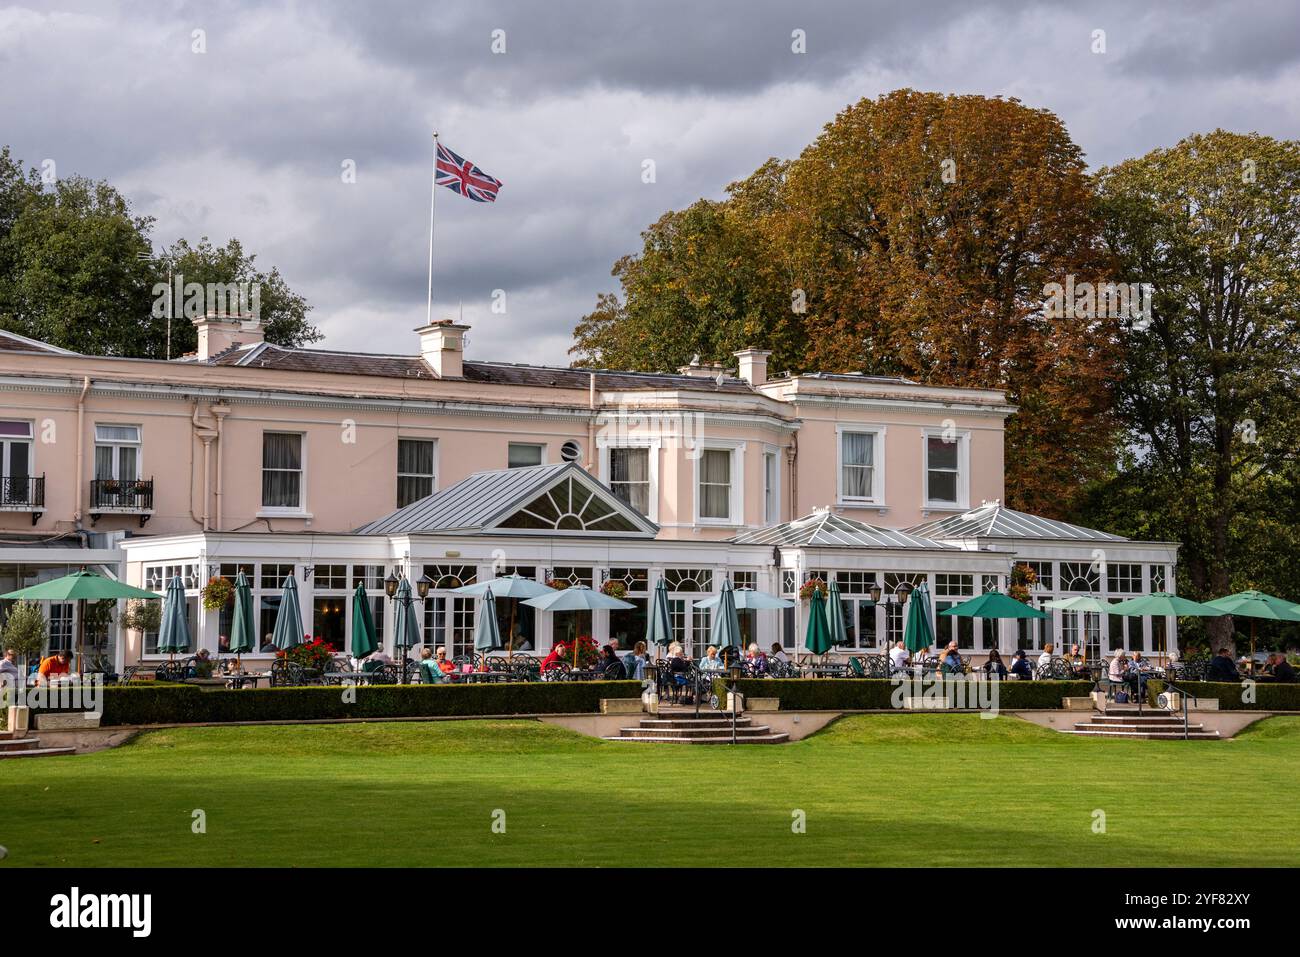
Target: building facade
<point x="337" y="466"/>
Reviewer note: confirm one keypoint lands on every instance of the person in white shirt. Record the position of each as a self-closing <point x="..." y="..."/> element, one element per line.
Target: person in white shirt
<point x="9" y="673"/>
<point x="779" y="653"/>
<point x="1045" y="659"/>
<point x="898" y="657"/>
<point x="1118" y="665"/>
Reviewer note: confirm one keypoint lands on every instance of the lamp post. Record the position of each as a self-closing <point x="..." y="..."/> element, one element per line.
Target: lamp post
<point x="901" y="594"/>
<point x="391" y="584"/>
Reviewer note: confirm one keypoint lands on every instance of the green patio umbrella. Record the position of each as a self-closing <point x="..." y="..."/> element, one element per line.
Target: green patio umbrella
<point x="1080" y="603"/>
<point x="658" y="626"/>
<point x="364" y="639"/>
<point x="1255" y="605"/>
<point x="81" y="586"/>
<point x="1161" y="603"/>
<point x="994" y="604"/>
<point x="835" y="614"/>
<point x="918" y="629"/>
<point x="818" y="637"/>
<point x="406" y="630"/>
<point x="174" y="632"/>
<point x="724" y="632"/>
<point x="243" y="632"/>
<point x="487" y="636"/>
<point x="288" y="620"/>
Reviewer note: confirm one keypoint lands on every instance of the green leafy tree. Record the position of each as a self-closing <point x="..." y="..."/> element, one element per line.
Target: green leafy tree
<point x="24" y="630"/>
<point x="1210" y="396"/>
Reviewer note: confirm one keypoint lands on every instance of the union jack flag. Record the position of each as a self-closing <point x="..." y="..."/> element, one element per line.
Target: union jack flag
<point x="463" y="177"/>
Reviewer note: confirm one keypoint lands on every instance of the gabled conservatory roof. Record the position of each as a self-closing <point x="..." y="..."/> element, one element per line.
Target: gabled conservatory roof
<point x="828" y="530"/>
<point x="548" y="499"/>
<point x="992" y="520"/>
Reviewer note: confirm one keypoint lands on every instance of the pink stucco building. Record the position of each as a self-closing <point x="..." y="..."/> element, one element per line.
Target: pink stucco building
<point x="341" y="467"/>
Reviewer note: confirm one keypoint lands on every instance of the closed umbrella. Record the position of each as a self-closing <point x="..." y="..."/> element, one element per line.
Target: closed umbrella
<point x="817" y="639"/>
<point x="1255" y="605"/>
<point x="365" y="639"/>
<point x="918" y="629"/>
<point x="174" y="632"/>
<point x="658" y="626"/>
<point x="835" y="613"/>
<point x="487" y="636"/>
<point x="406" y="631"/>
<point x="288" y="619"/>
<point x="243" y="636"/>
<point x="725" y="629"/>
<point x="575" y="598"/>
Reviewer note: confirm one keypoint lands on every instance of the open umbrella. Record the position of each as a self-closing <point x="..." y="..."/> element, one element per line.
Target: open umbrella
<point x="724" y="632"/>
<point x="174" y="632"/>
<point x="658" y="626"/>
<point x="575" y="598"/>
<point x="406" y="631"/>
<point x="513" y="586"/>
<point x="243" y="634"/>
<point x="1084" y="603"/>
<point x="288" y="619"/>
<point x="1255" y="605"/>
<point x="365" y="640"/>
<point x="817" y="639"/>
<point x="994" y="604"/>
<point x="746" y="600"/>
<point x="487" y="636"/>
<point x="835" y="612"/>
<point x="81" y="586"/>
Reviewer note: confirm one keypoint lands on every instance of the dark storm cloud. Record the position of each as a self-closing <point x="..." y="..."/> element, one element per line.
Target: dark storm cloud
<point x="248" y="139"/>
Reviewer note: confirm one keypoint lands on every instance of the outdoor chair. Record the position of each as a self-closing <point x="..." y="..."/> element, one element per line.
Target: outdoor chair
<point x="526" y="668"/>
<point x="128" y="673"/>
<point x="386" y="675"/>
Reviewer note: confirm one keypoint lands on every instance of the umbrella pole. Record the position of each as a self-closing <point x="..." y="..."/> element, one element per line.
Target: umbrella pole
<point x="81" y="629"/>
<point x="510" y="639"/>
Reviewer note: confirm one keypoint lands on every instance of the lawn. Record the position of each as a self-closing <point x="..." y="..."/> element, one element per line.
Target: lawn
<point x="876" y="790"/>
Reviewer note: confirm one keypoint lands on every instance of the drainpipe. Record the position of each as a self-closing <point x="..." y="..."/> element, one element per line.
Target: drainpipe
<point x="206" y="435"/>
<point x="591" y="423"/>
<point x="792" y="455"/>
<point x="219" y="412"/>
<point x="81" y="445"/>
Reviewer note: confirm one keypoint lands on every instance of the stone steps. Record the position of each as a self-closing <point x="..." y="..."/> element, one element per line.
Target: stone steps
<point x="1147" y="724"/>
<point x="777" y="737"/>
<point x="686" y="729"/>
<point x="12" y="746"/>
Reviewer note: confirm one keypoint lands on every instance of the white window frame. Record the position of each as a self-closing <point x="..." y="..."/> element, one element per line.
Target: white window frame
<point x="117" y="445"/>
<point x="772" y="493"/>
<point x="877" y="498"/>
<point x="963" y="470"/>
<point x="736" y="501"/>
<point x="532" y="445"/>
<point x="300" y="510"/>
<point x="29" y="440"/>
<point x="433" y="484"/>
<point x="652" y="446"/>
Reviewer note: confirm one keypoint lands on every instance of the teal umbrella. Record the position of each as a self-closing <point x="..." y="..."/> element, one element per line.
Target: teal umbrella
<point x="288" y="620"/>
<point x="243" y="634"/>
<point x="576" y="598"/>
<point x="365" y="641"/>
<point x="1254" y="605"/>
<point x="918" y="629"/>
<point x="818" y="637"/>
<point x="174" y="633"/>
<point x="658" y="626"/>
<point x="725" y="629"/>
<point x="406" y="630"/>
<point x="994" y="604"/>
<point x="746" y="600"/>
<point x="487" y="636"/>
<point x="1162" y="604"/>
<point x="507" y="586"/>
<point x="1081" y="603"/>
<point x="835" y="614"/>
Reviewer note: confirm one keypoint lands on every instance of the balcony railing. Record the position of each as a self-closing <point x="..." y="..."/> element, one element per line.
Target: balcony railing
<point x="23" y="493"/>
<point x="121" y="496"/>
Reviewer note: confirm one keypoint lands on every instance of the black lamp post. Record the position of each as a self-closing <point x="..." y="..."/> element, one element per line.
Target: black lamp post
<point x="901" y="594"/>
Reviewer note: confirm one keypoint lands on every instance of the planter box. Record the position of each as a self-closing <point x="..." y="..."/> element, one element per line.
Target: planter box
<point x="19" y="716"/>
<point x="620" y="705"/>
<point x="762" y="704"/>
<point x="67" y="721"/>
<point x="1077" y="704"/>
<point x="921" y="704"/>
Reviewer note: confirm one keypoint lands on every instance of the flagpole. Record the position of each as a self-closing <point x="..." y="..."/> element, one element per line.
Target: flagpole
<point x="433" y="203"/>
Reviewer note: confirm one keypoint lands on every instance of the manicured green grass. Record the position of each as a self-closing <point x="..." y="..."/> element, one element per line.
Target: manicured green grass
<point x="876" y="790"/>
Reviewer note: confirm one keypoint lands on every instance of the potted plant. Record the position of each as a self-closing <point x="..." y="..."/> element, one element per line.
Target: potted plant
<point x="142" y="614"/>
<point x="614" y="588"/>
<point x="218" y="593"/>
<point x="1023" y="579"/>
<point x="811" y="587"/>
<point x="310" y="654"/>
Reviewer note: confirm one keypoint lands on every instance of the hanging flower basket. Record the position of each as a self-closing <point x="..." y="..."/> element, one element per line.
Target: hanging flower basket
<point x="614" y="588"/>
<point x="559" y="584"/>
<point x="1022" y="580"/>
<point x="218" y="593"/>
<point x="811" y="587"/>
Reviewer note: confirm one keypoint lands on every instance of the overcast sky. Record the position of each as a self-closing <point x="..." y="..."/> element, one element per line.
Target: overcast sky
<point x="249" y="138"/>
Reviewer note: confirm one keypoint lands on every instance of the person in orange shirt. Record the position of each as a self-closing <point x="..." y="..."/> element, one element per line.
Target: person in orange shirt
<point x="56" y="664"/>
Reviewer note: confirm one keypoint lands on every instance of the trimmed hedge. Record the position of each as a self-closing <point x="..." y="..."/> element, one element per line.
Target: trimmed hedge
<point x="866" y="694"/>
<point x="186" y="704"/>
<point x="1269" y="695"/>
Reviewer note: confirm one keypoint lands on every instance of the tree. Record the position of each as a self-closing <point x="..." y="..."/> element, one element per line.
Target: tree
<point x="917" y="236"/>
<point x="24" y="630"/>
<point x="1210" y="395"/>
<point x="75" y="272"/>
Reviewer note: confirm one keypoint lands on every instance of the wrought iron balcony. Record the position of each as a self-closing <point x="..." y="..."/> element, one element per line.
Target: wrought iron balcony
<point x="23" y="493"/>
<point x="121" y="497"/>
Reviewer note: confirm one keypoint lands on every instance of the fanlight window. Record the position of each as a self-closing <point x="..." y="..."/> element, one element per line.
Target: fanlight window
<point x="570" y="507"/>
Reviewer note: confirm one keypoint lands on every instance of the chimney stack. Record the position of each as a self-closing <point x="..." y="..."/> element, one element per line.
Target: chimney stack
<point x="753" y="365"/>
<point x="442" y="345"/>
<point x="698" y="370"/>
<point x="219" y="332"/>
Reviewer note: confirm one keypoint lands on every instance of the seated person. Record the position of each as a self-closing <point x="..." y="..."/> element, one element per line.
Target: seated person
<point x="711" y="661"/>
<point x="268" y="645"/>
<point x="1020" y="666"/>
<point x="56" y="665"/>
<point x="898" y="657"/>
<point x="430" y="673"/>
<point x="755" y="661"/>
<point x="994" y="667"/>
<point x="1045" y="659"/>
<point x="440" y="661"/>
<point x="952" y="663"/>
<point x="1076" y="660"/>
<point x="1282" y="670"/>
<point x="1222" y="667"/>
<point x="558" y="658"/>
<point x="1118" y="666"/>
<point x="608" y="665"/>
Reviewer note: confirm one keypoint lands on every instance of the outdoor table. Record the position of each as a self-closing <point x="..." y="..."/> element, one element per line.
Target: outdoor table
<point x="343" y="677"/>
<point x="238" y="681"/>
